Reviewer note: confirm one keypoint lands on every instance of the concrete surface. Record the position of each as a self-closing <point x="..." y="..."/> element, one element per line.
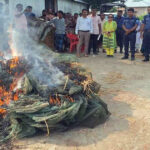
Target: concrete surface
<point x="126" y="90"/>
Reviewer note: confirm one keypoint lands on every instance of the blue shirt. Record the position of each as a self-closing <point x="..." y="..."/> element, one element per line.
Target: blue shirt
<point x="129" y="23"/>
<point x="59" y="24"/>
<point x="146" y="21"/>
<point x="119" y="21"/>
<point x="84" y="24"/>
<point x="29" y="15"/>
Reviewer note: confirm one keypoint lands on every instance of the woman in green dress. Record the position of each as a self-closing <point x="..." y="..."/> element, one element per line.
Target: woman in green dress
<point x="109" y="39"/>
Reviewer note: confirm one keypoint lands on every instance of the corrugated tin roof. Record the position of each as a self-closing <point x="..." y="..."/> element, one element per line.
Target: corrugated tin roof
<point x="137" y="3"/>
<point x="80" y="1"/>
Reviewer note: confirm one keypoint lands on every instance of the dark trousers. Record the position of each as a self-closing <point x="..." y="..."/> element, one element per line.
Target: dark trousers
<point x="93" y="43"/>
<point x="59" y="42"/>
<point x="119" y="37"/>
<point x="146" y="44"/>
<point x="130" y="39"/>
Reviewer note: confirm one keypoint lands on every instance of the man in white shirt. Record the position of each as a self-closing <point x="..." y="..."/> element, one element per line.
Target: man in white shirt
<point x="84" y="28"/>
<point x="96" y="20"/>
<point x="20" y="21"/>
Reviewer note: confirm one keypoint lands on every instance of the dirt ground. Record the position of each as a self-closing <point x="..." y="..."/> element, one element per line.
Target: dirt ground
<point x="126" y="90"/>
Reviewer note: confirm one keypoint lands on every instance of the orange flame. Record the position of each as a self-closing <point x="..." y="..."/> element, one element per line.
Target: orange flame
<point x="70" y="99"/>
<point x="16" y="96"/>
<point x="14" y="63"/>
<point x="55" y="101"/>
<point x="1" y="54"/>
<point x="14" y="52"/>
<point x="2" y="111"/>
<point x="9" y="93"/>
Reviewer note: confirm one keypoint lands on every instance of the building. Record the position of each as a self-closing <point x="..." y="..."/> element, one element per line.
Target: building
<point x="71" y="6"/>
<point x="140" y="6"/>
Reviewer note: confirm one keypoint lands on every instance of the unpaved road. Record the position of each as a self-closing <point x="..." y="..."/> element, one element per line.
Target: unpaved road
<point x="126" y="90"/>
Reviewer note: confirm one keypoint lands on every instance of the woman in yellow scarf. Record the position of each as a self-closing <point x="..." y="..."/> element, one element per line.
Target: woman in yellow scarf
<point x="109" y="39"/>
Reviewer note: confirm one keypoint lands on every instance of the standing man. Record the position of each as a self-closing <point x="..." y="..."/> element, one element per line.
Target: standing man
<point x="129" y="26"/>
<point x="20" y="21"/>
<point x="59" y="24"/>
<point x="119" y="32"/>
<point x="28" y="12"/>
<point x="146" y="30"/>
<point x="83" y="29"/>
<point x="96" y="32"/>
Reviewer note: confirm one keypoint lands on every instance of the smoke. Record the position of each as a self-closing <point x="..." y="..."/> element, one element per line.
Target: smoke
<point x="37" y="55"/>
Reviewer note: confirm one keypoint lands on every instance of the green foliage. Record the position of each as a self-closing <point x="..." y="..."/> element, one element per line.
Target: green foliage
<point x="114" y="9"/>
<point x="141" y="17"/>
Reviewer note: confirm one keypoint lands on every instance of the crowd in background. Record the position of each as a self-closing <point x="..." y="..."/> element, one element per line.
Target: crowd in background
<point x="94" y="32"/>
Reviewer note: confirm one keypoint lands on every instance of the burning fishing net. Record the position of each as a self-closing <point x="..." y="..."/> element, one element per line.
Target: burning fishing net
<point x="46" y="92"/>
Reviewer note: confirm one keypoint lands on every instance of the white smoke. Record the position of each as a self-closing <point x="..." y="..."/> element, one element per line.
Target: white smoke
<point x="35" y="54"/>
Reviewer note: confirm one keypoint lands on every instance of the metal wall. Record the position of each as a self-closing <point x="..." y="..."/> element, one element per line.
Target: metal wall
<point x="38" y="5"/>
<point x="1" y="1"/>
<point x="70" y="6"/>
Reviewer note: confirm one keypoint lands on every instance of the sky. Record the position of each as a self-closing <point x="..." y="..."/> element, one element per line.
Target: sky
<point x="138" y="3"/>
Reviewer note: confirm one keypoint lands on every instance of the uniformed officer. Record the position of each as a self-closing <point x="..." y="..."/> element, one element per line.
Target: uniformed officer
<point x="146" y="29"/>
<point x="129" y="26"/>
<point x="119" y="32"/>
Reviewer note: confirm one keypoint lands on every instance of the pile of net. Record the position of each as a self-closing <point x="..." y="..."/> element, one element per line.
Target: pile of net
<point x="43" y="108"/>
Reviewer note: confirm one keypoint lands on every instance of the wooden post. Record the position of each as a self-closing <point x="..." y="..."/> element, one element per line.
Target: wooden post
<point x="56" y="5"/>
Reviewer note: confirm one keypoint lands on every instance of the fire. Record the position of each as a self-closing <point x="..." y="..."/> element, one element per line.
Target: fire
<point x="8" y="90"/>
<point x="14" y="51"/>
<point x="70" y="99"/>
<point x="3" y="111"/>
<point x="15" y="69"/>
<point x="16" y="97"/>
<point x="55" y="100"/>
<point x="1" y="54"/>
<point x="14" y="62"/>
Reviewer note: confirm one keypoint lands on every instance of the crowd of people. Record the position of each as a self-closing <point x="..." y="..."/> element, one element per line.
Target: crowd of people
<point x="95" y="32"/>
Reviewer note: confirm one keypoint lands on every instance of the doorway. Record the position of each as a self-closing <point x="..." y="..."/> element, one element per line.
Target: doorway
<point x="51" y="4"/>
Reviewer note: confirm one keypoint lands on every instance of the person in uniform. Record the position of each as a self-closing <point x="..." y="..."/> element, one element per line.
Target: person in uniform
<point x="119" y="32"/>
<point x="130" y="24"/>
<point x="145" y="28"/>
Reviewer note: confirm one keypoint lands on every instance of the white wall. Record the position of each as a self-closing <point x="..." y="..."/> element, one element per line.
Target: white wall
<point x="70" y="6"/>
<point x="38" y="5"/>
<point x="1" y="1"/>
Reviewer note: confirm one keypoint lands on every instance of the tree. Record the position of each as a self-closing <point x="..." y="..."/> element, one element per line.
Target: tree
<point x="97" y="3"/>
